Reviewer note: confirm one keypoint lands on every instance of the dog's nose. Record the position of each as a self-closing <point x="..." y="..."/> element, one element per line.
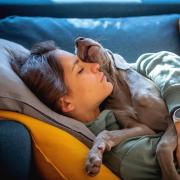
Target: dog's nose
<point x="78" y="39"/>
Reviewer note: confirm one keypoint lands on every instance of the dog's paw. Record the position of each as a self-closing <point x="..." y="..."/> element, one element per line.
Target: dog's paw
<point x="93" y="163"/>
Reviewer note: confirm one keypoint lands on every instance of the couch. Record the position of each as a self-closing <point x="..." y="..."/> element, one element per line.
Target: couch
<point x="129" y="29"/>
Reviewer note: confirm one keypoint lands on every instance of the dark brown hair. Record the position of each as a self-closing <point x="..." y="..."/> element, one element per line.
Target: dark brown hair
<point x="44" y="75"/>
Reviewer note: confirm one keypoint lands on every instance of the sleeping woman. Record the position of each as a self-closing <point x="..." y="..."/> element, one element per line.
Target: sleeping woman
<point x="77" y="89"/>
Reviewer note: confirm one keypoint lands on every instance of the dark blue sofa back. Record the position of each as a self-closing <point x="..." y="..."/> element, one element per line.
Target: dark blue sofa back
<point x="88" y="9"/>
<point x="130" y="36"/>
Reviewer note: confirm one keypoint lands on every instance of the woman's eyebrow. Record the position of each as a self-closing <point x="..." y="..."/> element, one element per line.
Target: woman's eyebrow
<point x="75" y="63"/>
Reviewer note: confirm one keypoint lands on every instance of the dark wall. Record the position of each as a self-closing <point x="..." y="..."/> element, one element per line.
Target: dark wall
<point x="86" y="9"/>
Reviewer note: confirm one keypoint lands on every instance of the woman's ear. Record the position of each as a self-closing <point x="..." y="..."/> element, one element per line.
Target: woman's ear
<point x="66" y="104"/>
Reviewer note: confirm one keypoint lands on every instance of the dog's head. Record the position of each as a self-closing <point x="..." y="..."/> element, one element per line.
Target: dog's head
<point x="90" y="50"/>
<point x="86" y="48"/>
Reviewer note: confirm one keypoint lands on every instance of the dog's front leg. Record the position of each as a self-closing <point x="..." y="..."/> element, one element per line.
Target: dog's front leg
<point x="165" y="149"/>
<point x="108" y="139"/>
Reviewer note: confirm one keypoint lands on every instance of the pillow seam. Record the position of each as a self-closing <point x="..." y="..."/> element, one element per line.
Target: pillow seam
<point x="47" y="159"/>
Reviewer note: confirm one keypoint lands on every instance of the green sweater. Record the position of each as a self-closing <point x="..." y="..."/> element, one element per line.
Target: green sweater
<point x="164" y="69"/>
<point x="133" y="159"/>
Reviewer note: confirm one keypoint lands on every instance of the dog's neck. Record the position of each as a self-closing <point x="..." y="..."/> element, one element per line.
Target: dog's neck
<point x="121" y="91"/>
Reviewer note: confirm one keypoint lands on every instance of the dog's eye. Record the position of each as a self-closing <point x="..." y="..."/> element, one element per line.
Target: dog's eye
<point x="81" y="70"/>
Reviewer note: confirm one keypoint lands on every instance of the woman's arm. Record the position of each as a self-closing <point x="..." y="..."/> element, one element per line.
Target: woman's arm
<point x="163" y="68"/>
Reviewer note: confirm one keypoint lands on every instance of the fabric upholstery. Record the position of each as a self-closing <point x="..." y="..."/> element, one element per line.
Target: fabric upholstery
<point x="58" y="155"/>
<point x="128" y="36"/>
<point x="92" y="9"/>
<point x="15" y="163"/>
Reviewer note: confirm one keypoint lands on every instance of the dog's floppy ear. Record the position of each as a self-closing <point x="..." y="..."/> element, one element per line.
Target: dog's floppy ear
<point x="119" y="61"/>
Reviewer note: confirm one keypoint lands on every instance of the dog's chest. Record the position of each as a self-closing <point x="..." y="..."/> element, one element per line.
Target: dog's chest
<point x="141" y="87"/>
<point x="147" y="102"/>
<point x="137" y="98"/>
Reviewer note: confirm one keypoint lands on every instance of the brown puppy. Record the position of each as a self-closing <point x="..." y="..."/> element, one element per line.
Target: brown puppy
<point x="137" y="105"/>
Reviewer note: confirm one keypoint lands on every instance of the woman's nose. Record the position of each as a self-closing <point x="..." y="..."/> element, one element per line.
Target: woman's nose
<point x="95" y="67"/>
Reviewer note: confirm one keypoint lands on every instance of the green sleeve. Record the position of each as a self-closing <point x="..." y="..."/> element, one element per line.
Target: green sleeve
<point x="164" y="69"/>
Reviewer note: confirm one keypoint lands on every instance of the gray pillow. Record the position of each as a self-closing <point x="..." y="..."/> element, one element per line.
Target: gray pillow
<point x="15" y="95"/>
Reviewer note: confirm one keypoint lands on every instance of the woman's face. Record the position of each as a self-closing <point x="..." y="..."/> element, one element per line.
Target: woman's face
<point x="87" y="86"/>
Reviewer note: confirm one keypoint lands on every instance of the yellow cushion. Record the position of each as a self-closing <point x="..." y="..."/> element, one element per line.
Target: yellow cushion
<point x="58" y="154"/>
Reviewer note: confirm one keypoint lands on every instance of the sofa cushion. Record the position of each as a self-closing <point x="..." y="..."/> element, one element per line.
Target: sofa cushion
<point x="15" y="95"/>
<point x="57" y="154"/>
<point x="129" y="37"/>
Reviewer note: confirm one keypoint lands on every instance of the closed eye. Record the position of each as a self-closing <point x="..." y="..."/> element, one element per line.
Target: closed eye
<point x="81" y="70"/>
